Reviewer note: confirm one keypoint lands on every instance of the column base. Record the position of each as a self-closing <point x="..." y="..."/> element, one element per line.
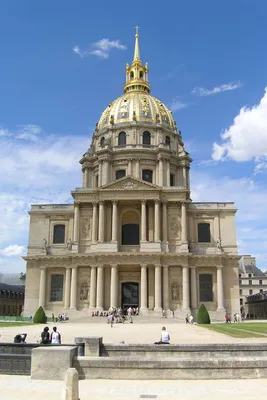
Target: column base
<point x="165" y="247"/>
<point x="109" y="247"/>
<point x="143" y="311"/>
<point x="184" y="247"/>
<point x="158" y="311"/>
<point x="75" y="248"/>
<point x="73" y="308"/>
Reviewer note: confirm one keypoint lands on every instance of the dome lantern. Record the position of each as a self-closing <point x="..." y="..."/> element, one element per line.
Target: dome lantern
<point x="137" y="73"/>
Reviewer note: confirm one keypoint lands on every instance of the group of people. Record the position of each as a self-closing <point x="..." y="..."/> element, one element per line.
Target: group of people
<point x="120" y="315"/>
<point x="60" y="318"/>
<point x="236" y="318"/>
<point x="46" y="337"/>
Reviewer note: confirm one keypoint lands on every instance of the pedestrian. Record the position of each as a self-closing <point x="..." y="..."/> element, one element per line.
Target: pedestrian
<point x="45" y="337"/>
<point x="53" y="317"/>
<point x="55" y="336"/>
<point x="164" y="337"/>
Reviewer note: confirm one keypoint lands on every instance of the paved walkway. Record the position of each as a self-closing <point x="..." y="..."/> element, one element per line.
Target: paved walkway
<point x="23" y="388"/>
<point x="138" y="332"/>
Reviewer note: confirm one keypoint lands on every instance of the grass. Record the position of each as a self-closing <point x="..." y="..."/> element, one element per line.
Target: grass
<point x="10" y="324"/>
<point x="240" y="330"/>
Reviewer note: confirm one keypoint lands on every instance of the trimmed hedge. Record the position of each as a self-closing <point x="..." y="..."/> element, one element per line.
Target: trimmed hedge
<point x="203" y="316"/>
<point x="39" y="316"/>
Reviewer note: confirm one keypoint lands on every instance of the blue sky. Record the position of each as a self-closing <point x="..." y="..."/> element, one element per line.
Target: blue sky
<point x="62" y="62"/>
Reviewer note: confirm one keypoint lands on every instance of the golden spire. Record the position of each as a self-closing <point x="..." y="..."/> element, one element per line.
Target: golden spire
<point x="137" y="73"/>
<point x="136" y="47"/>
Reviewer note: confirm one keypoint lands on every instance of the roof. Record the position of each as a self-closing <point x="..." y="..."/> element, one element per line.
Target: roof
<point x="12" y="288"/>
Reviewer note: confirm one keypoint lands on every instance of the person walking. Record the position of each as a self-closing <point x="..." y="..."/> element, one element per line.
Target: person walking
<point x="55" y="336"/>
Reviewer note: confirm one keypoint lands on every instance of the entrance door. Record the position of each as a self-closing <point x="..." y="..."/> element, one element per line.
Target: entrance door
<point x="130" y="234"/>
<point x="130" y="294"/>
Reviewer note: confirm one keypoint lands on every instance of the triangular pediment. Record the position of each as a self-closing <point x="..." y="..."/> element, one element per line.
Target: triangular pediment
<point x="130" y="183"/>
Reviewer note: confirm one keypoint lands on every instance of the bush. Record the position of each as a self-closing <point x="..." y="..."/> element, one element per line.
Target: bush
<point x="203" y="315"/>
<point x="39" y="316"/>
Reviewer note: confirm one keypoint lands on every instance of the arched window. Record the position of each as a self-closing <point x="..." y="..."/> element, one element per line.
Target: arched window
<point x="120" y="173"/>
<point x="102" y="141"/>
<point x="131" y="75"/>
<point x="147" y="175"/>
<point x="122" y="139"/>
<point x="205" y="287"/>
<point x="203" y="233"/>
<point x="141" y="75"/>
<point x="59" y="234"/>
<point x="167" y="140"/>
<point x="147" y="138"/>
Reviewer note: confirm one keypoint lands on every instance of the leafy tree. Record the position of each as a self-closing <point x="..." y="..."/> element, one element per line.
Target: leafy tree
<point x="203" y="315"/>
<point x="39" y="316"/>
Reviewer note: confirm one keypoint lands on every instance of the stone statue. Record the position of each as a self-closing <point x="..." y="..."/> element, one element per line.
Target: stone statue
<point x="69" y="244"/>
<point x="174" y="291"/>
<point x="219" y="243"/>
<point x="84" y="292"/>
<point x="45" y="246"/>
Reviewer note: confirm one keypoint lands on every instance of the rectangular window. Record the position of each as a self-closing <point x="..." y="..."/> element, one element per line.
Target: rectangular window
<point x="205" y="287"/>
<point x="96" y="181"/>
<point x="260" y="282"/>
<point x="239" y="275"/>
<point x="261" y="290"/>
<point x="172" y="183"/>
<point x="120" y="173"/>
<point x="56" y="287"/>
<point x="250" y="291"/>
<point x="203" y="233"/>
<point x="59" y="234"/>
<point x="240" y="292"/>
<point x="147" y="175"/>
<point x="241" y="302"/>
<point x="249" y="275"/>
<point x="250" y="282"/>
<point x="240" y="282"/>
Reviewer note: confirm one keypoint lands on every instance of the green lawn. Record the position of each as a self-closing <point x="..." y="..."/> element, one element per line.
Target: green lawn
<point x="240" y="330"/>
<point x="10" y="324"/>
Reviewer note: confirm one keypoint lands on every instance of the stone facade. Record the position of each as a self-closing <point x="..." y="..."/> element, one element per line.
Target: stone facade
<point x="133" y="235"/>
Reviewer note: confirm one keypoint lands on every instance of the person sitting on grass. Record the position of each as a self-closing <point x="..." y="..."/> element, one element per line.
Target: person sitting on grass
<point x="164" y="337"/>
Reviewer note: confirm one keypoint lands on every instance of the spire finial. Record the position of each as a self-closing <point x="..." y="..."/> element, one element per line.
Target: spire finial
<point x="136" y="48"/>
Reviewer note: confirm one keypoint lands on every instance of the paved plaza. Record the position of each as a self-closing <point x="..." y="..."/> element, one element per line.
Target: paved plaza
<point x="141" y="331"/>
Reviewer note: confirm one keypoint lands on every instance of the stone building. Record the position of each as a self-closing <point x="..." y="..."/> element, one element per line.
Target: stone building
<point x="11" y="299"/>
<point x="252" y="281"/>
<point x="133" y="235"/>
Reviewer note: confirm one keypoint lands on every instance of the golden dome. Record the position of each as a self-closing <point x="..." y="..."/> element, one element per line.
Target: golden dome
<point x="136" y="105"/>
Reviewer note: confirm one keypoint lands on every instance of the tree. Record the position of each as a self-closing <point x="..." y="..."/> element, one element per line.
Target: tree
<point x="39" y="316"/>
<point x="203" y="315"/>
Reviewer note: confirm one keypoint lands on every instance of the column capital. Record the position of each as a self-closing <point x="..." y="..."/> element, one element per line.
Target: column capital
<point x="100" y="265"/>
<point x="77" y="203"/>
<point x="143" y="201"/>
<point x="143" y="265"/>
<point x="219" y="266"/>
<point x="114" y="265"/>
<point x="95" y="203"/>
<point x="114" y="202"/>
<point x="157" y="201"/>
<point x="165" y="265"/>
<point x="101" y="202"/>
<point x="158" y="265"/>
<point x="193" y="267"/>
<point x="43" y="267"/>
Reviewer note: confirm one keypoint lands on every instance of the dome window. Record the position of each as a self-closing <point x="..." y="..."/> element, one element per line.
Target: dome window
<point x="122" y="139"/>
<point x="102" y="141"/>
<point x="120" y="173"/>
<point x="167" y="140"/>
<point x="146" y="138"/>
<point x="147" y="175"/>
<point x="131" y="75"/>
<point x="141" y="75"/>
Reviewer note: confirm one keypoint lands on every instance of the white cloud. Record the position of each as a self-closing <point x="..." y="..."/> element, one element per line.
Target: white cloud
<point x="177" y="105"/>
<point x="200" y="91"/>
<point x="12" y="250"/>
<point x="246" y="138"/>
<point x="28" y="132"/>
<point x="101" y="48"/>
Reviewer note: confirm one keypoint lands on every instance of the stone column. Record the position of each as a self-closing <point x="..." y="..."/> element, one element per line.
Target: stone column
<point x="86" y="177"/>
<point x="94" y="224"/>
<point x="220" y="288"/>
<point x="100" y="288"/>
<point x="184" y="176"/>
<point x="186" y="288"/>
<point x="129" y="167"/>
<point x="114" y="286"/>
<point x="100" y="173"/>
<point x="161" y="183"/>
<point x="105" y="170"/>
<point x="166" y="300"/>
<point x="164" y="222"/>
<point x="137" y="168"/>
<point x="93" y="287"/>
<point x="184" y="227"/>
<point x="193" y="288"/>
<point x="151" y="288"/>
<point x="157" y="221"/>
<point x="158" y="304"/>
<point x="67" y="288"/>
<point x="101" y="221"/>
<point x="73" y="288"/>
<point x="114" y="221"/>
<point x="143" y="287"/>
<point x="143" y="220"/>
<point x="76" y="223"/>
<point x="42" y="287"/>
<point x="168" y="172"/>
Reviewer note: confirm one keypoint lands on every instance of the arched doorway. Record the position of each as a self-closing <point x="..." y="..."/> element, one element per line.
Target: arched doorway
<point x="130" y="230"/>
<point x="129" y="294"/>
